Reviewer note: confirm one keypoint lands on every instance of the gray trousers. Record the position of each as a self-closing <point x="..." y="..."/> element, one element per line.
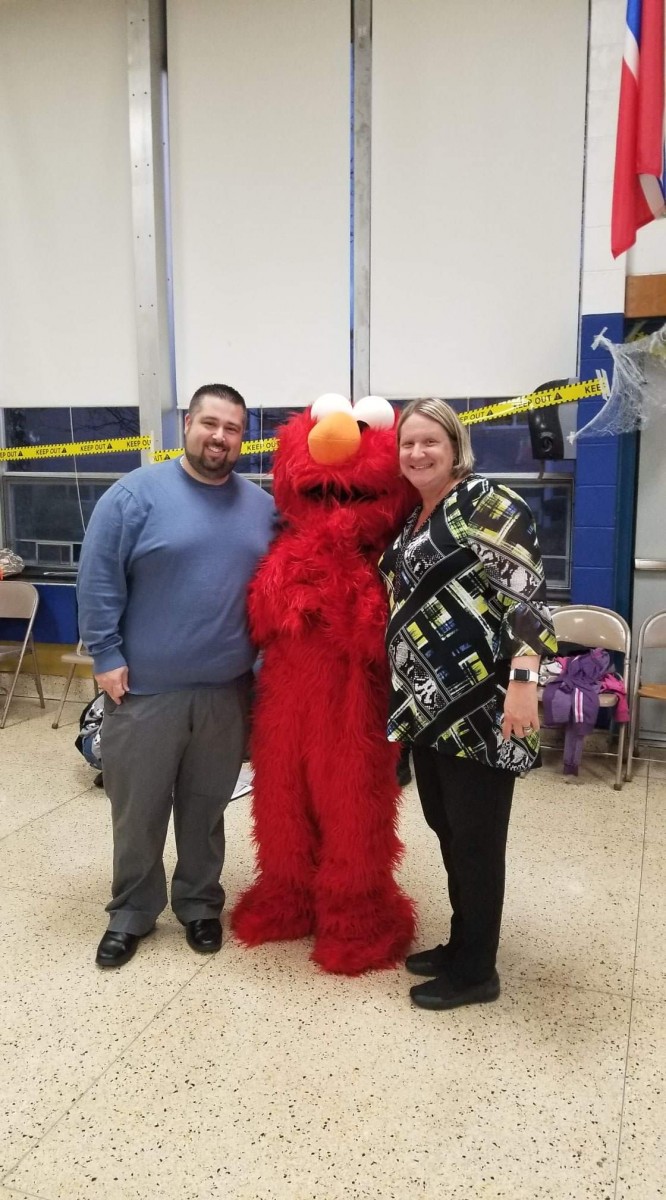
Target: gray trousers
<point x="180" y="750"/>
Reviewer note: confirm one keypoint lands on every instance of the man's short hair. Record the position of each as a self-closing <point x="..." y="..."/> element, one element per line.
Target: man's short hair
<point x="222" y="391"/>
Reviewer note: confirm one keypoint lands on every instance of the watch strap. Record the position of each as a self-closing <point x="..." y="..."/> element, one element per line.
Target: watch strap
<point x="521" y="675"/>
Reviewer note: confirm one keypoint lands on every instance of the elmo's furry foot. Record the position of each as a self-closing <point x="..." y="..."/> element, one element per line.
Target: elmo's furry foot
<point x="371" y="933"/>
<point x="272" y="913"/>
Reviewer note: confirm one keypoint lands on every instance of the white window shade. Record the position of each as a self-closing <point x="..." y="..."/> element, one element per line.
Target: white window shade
<point x="259" y="121"/>
<point x="67" y="321"/>
<point x="477" y="174"/>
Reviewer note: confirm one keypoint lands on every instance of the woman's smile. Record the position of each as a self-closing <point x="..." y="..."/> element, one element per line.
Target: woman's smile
<point x="427" y="454"/>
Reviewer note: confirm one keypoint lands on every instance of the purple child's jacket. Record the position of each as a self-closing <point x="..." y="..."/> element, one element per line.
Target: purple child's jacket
<point x="573" y="700"/>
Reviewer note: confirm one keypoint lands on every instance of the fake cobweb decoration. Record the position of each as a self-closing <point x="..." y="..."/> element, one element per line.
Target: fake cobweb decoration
<point x="638" y="389"/>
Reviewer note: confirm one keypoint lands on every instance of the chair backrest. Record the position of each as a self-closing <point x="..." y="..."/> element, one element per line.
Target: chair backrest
<point x="652" y="632"/>
<point x="588" y="625"/>
<point x="652" y="636"/>
<point x="18" y="599"/>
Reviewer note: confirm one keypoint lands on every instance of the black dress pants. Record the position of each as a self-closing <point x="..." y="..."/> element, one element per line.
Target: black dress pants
<point x="468" y="805"/>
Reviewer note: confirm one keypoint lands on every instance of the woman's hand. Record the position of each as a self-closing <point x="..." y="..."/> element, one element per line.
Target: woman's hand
<point x="521" y="710"/>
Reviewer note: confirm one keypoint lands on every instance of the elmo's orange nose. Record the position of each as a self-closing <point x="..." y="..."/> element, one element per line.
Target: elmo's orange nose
<point x="334" y="439"/>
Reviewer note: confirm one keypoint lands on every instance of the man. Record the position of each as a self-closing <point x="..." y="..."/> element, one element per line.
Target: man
<point x="164" y="570"/>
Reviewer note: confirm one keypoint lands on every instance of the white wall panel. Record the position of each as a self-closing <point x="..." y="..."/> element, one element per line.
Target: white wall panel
<point x="259" y="116"/>
<point x="603" y="280"/>
<point x="477" y="170"/>
<point x="648" y="255"/>
<point x="66" y="272"/>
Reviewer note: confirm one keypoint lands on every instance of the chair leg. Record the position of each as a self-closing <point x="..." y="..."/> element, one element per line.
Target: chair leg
<point x="633" y="726"/>
<point x="68" y="684"/>
<point x="17" y="672"/>
<point x="38" y="674"/>
<point x="4" y="711"/>
<point x="10" y="693"/>
<point x="620" y="766"/>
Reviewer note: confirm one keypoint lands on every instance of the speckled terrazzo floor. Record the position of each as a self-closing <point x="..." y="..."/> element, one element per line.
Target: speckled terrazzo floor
<point x="253" y="1076"/>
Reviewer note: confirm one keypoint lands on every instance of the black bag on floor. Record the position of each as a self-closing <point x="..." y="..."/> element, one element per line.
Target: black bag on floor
<point x="89" y="738"/>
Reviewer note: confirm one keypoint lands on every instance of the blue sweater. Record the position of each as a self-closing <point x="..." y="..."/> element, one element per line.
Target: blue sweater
<point x="163" y="577"/>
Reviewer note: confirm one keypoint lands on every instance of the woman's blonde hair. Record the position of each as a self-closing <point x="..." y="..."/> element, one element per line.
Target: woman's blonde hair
<point x="444" y="415"/>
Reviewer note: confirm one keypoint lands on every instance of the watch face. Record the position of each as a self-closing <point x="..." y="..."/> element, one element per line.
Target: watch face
<point x="521" y="675"/>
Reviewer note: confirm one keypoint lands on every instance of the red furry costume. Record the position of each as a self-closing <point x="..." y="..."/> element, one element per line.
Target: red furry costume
<point x="325" y="789"/>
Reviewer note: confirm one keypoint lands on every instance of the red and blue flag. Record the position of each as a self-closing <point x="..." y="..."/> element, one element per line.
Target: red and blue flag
<point x="639" y="187"/>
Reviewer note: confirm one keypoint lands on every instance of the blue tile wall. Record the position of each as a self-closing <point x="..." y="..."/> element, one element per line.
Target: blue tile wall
<point x="597" y="463"/>
<point x="594" y="547"/>
<point x="596" y="544"/>
<point x="591" y="325"/>
<point x="594" y="585"/>
<point x="593" y="504"/>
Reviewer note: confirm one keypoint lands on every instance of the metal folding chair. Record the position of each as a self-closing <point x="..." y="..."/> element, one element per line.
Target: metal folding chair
<point x="591" y="626"/>
<point x="651" y="636"/>
<point x="76" y="658"/>
<point x="19" y="601"/>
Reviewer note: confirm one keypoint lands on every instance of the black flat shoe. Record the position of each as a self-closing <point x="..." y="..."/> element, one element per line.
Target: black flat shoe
<point x="204" y="936"/>
<point x="115" y="949"/>
<point x="443" y="993"/>
<point x="428" y="962"/>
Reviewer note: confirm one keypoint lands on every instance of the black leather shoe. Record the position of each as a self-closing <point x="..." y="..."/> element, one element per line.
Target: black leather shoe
<point x="115" y="949"/>
<point x="443" y="993"/>
<point x="204" y="935"/>
<point x="428" y="962"/>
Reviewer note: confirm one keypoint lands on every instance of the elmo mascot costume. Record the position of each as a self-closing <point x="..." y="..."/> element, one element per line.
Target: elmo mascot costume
<point x="325" y="787"/>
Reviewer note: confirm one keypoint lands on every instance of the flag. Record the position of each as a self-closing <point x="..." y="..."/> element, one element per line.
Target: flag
<point x="639" y="186"/>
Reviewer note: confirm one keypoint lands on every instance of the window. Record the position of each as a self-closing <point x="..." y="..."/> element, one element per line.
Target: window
<point x="46" y="515"/>
<point x="43" y="426"/>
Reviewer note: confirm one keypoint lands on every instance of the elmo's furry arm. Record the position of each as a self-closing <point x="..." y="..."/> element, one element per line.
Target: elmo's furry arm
<point x="283" y="598"/>
<point x="318" y="577"/>
<point x="356" y="608"/>
<point x="357" y="613"/>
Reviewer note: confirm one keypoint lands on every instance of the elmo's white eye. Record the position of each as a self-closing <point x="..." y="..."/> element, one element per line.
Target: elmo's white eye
<point x="329" y="403"/>
<point x="374" y="411"/>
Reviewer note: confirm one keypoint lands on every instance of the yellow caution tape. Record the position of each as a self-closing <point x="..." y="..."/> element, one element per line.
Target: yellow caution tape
<point x="72" y="449"/>
<point x="258" y="446"/>
<point x="475" y="416"/>
<point x="533" y="400"/>
<point x="116" y="446"/>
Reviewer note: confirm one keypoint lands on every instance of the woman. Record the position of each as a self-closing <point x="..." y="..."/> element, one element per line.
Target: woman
<point x="466" y="629"/>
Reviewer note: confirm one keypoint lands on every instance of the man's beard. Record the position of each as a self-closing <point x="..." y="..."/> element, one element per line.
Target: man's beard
<point x="220" y="470"/>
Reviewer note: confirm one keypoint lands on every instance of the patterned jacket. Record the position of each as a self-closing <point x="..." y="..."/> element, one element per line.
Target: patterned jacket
<point x="466" y="595"/>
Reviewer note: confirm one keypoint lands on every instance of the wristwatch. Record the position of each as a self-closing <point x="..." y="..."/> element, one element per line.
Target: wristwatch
<point x="522" y="676"/>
